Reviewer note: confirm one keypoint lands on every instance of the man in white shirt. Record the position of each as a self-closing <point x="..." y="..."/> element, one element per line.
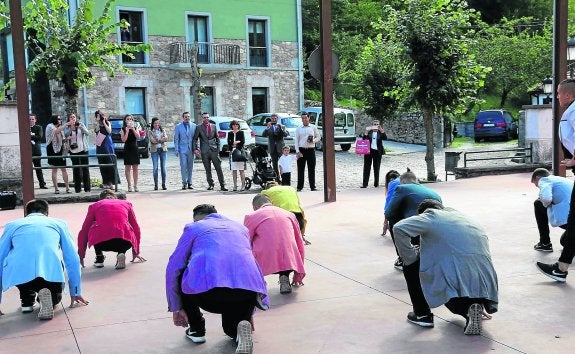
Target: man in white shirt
<point x="566" y="96"/>
<point x="305" y="138"/>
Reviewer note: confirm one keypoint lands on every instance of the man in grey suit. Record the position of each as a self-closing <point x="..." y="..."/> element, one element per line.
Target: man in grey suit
<point x="184" y="146"/>
<point x="209" y="150"/>
<point x="275" y="133"/>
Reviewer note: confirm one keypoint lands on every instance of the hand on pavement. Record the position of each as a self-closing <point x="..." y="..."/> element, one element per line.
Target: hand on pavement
<point x="78" y="300"/>
<point x="139" y="258"/>
<point x="180" y="318"/>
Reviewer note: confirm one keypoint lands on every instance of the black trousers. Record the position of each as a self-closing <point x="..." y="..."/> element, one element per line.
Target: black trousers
<point x="28" y="291"/>
<point x="235" y="305"/>
<point x="460" y="305"/>
<point x="411" y="275"/>
<point x="309" y="159"/>
<point x="286" y="179"/>
<point x="275" y="157"/>
<point x="569" y="245"/>
<point x="372" y="158"/>
<point x="39" y="173"/>
<point x="543" y="222"/>
<point x="209" y="158"/>
<point x="109" y="175"/>
<point x="114" y="245"/>
<point x="81" y="174"/>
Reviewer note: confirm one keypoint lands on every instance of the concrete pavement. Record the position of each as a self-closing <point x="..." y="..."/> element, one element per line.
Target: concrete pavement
<point x="353" y="300"/>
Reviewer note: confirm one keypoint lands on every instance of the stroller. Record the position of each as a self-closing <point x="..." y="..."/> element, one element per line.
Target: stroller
<point x="264" y="171"/>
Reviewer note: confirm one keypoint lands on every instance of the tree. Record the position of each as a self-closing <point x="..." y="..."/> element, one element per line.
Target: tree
<point x="493" y="11"/>
<point x="68" y="53"/>
<point x="433" y="37"/>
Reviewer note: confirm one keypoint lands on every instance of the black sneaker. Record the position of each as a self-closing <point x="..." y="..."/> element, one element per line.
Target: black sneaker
<point x="423" y="321"/>
<point x="196" y="336"/>
<point x="552" y="271"/>
<point x="543" y="247"/>
<point x="99" y="262"/>
<point x="398" y="264"/>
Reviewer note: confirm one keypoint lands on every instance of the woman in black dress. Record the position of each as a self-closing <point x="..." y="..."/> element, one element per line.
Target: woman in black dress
<point x="55" y="147"/>
<point x="129" y="135"/>
<point x="236" y="140"/>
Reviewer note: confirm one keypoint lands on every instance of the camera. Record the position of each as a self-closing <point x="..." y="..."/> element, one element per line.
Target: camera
<point x="77" y="124"/>
<point x="310" y="138"/>
<point x="73" y="146"/>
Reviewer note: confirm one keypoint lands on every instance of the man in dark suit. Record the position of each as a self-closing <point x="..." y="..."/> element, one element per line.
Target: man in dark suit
<point x="275" y="133"/>
<point x="376" y="136"/>
<point x="36" y="137"/>
<point x="209" y="150"/>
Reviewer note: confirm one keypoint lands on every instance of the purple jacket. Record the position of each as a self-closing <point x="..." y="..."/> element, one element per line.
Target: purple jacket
<point x="213" y="252"/>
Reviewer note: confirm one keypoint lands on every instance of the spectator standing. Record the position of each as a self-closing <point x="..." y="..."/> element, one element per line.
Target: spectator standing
<point x="77" y="135"/>
<point x="236" y="141"/>
<point x="209" y="150"/>
<point x="285" y="163"/>
<point x="159" y="151"/>
<point x="305" y="138"/>
<point x="184" y="146"/>
<point x="213" y="268"/>
<point x="55" y="149"/>
<point x="376" y="136"/>
<point x="39" y="249"/>
<point x="104" y="145"/>
<point x="36" y="135"/>
<point x="275" y="133"/>
<point x="129" y="135"/>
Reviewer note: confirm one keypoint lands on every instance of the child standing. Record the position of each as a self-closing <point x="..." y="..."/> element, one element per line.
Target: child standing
<point x="284" y="165"/>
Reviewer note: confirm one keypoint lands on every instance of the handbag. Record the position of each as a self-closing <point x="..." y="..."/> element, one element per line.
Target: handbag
<point x="239" y="155"/>
<point x="362" y="146"/>
<point x="100" y="138"/>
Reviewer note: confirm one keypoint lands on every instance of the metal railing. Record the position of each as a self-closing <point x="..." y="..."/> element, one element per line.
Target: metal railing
<point x="258" y="56"/>
<point x="114" y="163"/>
<point x="208" y="53"/>
<point x="528" y="151"/>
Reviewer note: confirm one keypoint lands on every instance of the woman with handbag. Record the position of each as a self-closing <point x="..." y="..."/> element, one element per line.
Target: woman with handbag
<point x="104" y="145"/>
<point x="77" y="135"/>
<point x="236" y="141"/>
<point x="376" y="136"/>
<point x="159" y="150"/>
<point x="55" y="148"/>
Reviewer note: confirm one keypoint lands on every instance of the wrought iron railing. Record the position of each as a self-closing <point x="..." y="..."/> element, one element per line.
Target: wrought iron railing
<point x="208" y="53"/>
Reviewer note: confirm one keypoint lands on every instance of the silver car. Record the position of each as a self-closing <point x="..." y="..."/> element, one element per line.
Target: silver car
<point x="223" y="126"/>
<point x="258" y="123"/>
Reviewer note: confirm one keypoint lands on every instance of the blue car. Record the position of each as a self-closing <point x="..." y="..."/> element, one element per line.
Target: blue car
<point x="494" y="123"/>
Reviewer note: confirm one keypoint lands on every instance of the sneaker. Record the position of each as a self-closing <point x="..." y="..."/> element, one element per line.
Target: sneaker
<point x="398" y="264"/>
<point x="46" y="308"/>
<point x="196" y="336"/>
<point x="285" y="286"/>
<point x="552" y="271"/>
<point x="121" y="261"/>
<point x="473" y="326"/>
<point x="423" y="321"/>
<point x="244" y="338"/>
<point x="27" y="309"/>
<point x="543" y="247"/>
<point x="99" y="262"/>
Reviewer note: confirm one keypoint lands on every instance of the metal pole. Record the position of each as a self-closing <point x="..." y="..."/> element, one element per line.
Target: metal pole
<point x="327" y="102"/>
<point x="17" y="28"/>
<point x="559" y="74"/>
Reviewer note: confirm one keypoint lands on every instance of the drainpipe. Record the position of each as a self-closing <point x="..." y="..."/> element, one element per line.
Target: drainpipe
<point x="85" y="102"/>
<point x="299" y="53"/>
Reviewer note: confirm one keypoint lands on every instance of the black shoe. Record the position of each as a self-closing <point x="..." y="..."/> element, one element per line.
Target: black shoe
<point x="363" y="187"/>
<point x="398" y="264"/>
<point x="299" y="189"/>
<point x="184" y="187"/>
<point x="164" y="187"/>
<point x="376" y="185"/>
<point x="543" y="247"/>
<point x="43" y="187"/>
<point x="190" y="186"/>
<point x="156" y="187"/>
<point x="423" y="321"/>
<point x="224" y="189"/>
<point x="313" y="189"/>
<point x="196" y="336"/>
<point x="211" y="188"/>
<point x="552" y="271"/>
<point x="99" y="262"/>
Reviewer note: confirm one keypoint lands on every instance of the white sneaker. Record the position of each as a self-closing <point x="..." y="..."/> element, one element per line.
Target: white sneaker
<point x="46" y="307"/>
<point x="121" y="261"/>
<point x="27" y="309"/>
<point x="244" y="338"/>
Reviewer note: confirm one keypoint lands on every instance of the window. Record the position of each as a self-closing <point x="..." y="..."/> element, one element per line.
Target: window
<point x="134" y="34"/>
<point x="257" y="38"/>
<point x="136" y="100"/>
<point x="259" y="100"/>
<point x="207" y="98"/>
<point x="198" y="32"/>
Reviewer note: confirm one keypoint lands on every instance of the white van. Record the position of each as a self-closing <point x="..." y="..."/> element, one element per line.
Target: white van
<point x="344" y="125"/>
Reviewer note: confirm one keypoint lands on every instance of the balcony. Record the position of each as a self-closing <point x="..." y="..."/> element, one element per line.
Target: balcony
<point x="211" y="57"/>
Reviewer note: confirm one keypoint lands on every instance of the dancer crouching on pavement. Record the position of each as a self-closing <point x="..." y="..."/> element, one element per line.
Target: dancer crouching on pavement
<point x="110" y="225"/>
<point x="32" y="249"/>
<point x="276" y="242"/>
<point x="213" y="268"/>
<point x="452" y="265"/>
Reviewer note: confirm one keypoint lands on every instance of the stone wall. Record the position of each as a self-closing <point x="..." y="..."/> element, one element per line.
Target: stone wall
<point x="11" y="176"/>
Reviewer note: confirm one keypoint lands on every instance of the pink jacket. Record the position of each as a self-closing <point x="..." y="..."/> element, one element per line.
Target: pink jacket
<point x="276" y="240"/>
<point x="108" y="219"/>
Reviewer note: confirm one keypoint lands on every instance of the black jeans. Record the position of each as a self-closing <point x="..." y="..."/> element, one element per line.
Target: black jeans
<point x="235" y="305"/>
<point x="569" y="245"/>
<point x="543" y="222"/>
<point x="28" y="291"/>
<point x="81" y="174"/>
<point x="114" y="245"/>
<point x="286" y="179"/>
<point x="372" y="158"/>
<point x="411" y="275"/>
<point x="39" y="173"/>
<point x="309" y="158"/>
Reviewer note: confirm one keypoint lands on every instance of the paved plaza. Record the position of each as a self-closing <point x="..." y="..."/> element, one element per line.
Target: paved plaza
<point x="353" y="300"/>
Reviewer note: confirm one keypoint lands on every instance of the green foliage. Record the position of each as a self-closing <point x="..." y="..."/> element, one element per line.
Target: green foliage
<point x="488" y="101"/>
<point x="492" y="11"/>
<point x="312" y="95"/>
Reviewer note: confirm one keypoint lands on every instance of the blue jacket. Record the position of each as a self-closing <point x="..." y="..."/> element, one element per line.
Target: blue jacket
<point x="183" y="139"/>
<point x="33" y="247"/>
<point x="406" y="199"/>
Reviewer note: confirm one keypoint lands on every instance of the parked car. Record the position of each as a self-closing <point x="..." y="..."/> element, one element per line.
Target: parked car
<point x="343" y="126"/>
<point x="117" y="121"/>
<point x="494" y="123"/>
<point x="223" y="126"/>
<point x="258" y="123"/>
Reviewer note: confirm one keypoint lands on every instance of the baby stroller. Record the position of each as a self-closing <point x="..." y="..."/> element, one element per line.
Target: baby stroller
<point x="264" y="171"/>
